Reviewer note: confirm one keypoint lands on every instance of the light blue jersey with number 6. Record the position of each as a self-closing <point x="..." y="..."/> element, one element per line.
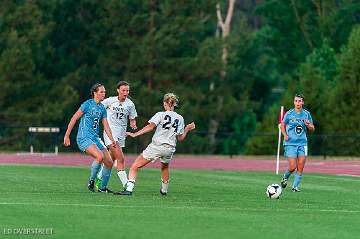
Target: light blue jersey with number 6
<point x="296" y="128"/>
<point x="89" y="123"/>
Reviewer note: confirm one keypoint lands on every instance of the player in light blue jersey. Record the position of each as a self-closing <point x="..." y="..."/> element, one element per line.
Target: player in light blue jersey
<point x="91" y="113"/>
<point x="294" y="126"/>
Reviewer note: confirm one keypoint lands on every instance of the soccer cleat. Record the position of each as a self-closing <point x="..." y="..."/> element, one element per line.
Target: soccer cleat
<point x="295" y="190"/>
<point x="105" y="190"/>
<point x="283" y="182"/>
<point x="98" y="182"/>
<point x="91" y="185"/>
<point x="123" y="193"/>
<point x="163" y="193"/>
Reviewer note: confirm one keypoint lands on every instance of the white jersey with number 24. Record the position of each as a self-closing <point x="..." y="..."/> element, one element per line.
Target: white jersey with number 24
<point x="169" y="125"/>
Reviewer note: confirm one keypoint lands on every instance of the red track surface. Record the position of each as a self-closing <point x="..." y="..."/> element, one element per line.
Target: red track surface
<point x="195" y="162"/>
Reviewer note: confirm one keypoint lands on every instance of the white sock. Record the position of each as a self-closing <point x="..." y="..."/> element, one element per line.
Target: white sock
<point x="164" y="186"/>
<point x="130" y="185"/>
<point x="123" y="177"/>
<point x="99" y="175"/>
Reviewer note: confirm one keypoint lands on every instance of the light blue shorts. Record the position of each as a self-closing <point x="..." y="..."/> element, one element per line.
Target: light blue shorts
<point x="84" y="143"/>
<point x="294" y="151"/>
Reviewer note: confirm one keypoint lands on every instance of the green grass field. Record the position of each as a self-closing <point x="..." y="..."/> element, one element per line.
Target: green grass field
<point x="201" y="204"/>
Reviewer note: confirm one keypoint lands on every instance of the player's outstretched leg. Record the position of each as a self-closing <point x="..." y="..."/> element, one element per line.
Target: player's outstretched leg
<point x="165" y="175"/>
<point x="99" y="177"/>
<point x="105" y="179"/>
<point x="288" y="172"/>
<point x="123" y="177"/>
<point x="106" y="172"/>
<point x="119" y="163"/>
<point x="139" y="163"/>
<point x="295" y="186"/>
<point x="128" y="189"/>
<point x="285" y="178"/>
<point x="95" y="166"/>
<point x="299" y="173"/>
<point x="164" y="187"/>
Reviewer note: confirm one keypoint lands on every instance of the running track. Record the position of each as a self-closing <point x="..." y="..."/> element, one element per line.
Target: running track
<point x="351" y="168"/>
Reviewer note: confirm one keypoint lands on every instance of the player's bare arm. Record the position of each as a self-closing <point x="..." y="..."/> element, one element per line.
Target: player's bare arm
<point x="187" y="129"/>
<point x="309" y="125"/>
<point x="71" y="125"/>
<point x="283" y="131"/>
<point x="146" y="129"/>
<point x="133" y="124"/>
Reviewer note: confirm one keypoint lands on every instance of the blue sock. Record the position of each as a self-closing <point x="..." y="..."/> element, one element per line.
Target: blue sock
<point x="297" y="180"/>
<point x="287" y="174"/>
<point x="105" y="177"/>
<point x="95" y="166"/>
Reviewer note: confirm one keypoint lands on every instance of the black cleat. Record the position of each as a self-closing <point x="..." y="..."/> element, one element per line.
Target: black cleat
<point x="283" y="182"/>
<point x="163" y="193"/>
<point x="105" y="190"/>
<point x="91" y="185"/>
<point x="123" y="193"/>
<point x="295" y="190"/>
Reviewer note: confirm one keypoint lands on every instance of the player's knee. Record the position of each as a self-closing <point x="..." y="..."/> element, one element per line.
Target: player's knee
<point x="99" y="157"/>
<point x="292" y="169"/>
<point x="108" y="162"/>
<point x="299" y="170"/>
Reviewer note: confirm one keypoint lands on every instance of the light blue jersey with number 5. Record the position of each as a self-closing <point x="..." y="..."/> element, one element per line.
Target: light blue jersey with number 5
<point x="89" y="123"/>
<point x="296" y="128"/>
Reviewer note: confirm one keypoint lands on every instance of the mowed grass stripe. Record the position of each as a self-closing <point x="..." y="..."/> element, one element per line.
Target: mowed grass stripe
<point x="140" y="207"/>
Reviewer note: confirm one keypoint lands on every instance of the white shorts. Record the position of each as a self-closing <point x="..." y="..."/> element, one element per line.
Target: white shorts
<point x="162" y="152"/>
<point x="118" y="137"/>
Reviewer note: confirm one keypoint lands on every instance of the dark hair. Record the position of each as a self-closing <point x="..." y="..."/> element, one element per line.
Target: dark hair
<point x="94" y="89"/>
<point x="300" y="96"/>
<point x="121" y="83"/>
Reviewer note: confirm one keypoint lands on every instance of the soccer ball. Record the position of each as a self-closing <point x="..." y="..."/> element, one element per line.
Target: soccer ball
<point x="273" y="191"/>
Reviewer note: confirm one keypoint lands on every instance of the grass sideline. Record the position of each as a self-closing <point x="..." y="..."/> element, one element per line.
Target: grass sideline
<point x="201" y="204"/>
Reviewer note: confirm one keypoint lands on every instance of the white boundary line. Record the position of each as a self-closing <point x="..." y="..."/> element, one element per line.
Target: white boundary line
<point x="173" y="207"/>
<point x="348" y="175"/>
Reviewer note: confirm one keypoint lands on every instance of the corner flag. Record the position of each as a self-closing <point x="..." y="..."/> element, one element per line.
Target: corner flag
<point x="281" y="116"/>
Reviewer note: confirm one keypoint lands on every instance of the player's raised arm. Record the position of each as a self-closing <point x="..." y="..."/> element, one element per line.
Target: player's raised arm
<point x="71" y="125"/>
<point x="187" y="129"/>
<point x="144" y="130"/>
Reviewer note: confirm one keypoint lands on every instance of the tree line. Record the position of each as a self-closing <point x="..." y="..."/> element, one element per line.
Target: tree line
<point x="232" y="63"/>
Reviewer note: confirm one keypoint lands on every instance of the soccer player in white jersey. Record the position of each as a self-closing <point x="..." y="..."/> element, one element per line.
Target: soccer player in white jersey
<point x="119" y="109"/>
<point x="169" y="129"/>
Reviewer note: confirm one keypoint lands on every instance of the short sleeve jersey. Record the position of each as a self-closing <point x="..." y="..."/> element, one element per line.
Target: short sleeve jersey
<point x="89" y="122"/>
<point x="169" y="124"/>
<point x="296" y="128"/>
<point x="118" y="113"/>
